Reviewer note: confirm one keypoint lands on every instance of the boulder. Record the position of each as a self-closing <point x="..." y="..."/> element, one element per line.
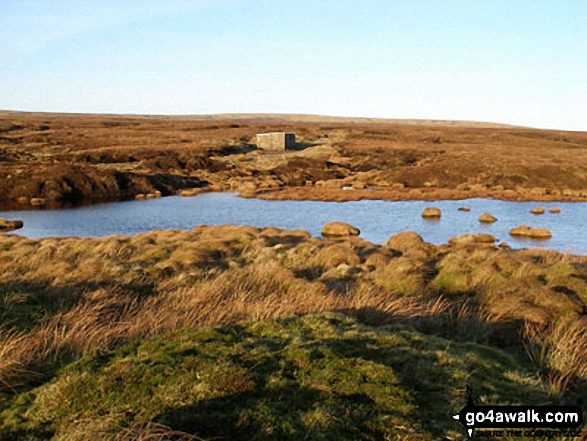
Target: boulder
<point x="540" y="233"/>
<point x="339" y="229"/>
<point x="487" y="218"/>
<point x="404" y="241"/>
<point x="533" y="233"/>
<point x="465" y="209"/>
<point x="431" y="213"/>
<point x="140" y="197"/>
<point x="472" y="239"/>
<point x="37" y="201"/>
<point x="537" y="210"/>
<point x="554" y="210"/>
<point x="10" y="225"/>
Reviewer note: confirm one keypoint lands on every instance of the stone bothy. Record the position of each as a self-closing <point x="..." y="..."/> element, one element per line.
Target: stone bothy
<point x="276" y="141"/>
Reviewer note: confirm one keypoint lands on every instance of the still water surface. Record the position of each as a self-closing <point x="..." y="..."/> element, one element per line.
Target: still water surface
<point x="377" y="220"/>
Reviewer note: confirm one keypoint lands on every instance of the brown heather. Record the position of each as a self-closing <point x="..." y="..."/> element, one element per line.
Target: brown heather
<point x="59" y="159"/>
<point x="63" y="298"/>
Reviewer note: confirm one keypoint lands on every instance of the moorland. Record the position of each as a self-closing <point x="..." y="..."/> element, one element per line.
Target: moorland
<point x="232" y="332"/>
<point x="61" y="159"/>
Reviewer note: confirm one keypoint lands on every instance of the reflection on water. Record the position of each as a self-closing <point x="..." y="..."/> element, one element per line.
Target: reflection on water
<point x="377" y="220"/>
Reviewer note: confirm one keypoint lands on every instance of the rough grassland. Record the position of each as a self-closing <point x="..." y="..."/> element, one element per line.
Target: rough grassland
<point x="113" y="335"/>
<point x="69" y="159"/>
<point x="315" y="377"/>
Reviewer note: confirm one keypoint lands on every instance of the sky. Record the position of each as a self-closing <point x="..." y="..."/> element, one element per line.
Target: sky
<point x="521" y="62"/>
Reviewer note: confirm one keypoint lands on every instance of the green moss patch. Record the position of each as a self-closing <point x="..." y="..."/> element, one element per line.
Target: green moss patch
<point x="311" y="377"/>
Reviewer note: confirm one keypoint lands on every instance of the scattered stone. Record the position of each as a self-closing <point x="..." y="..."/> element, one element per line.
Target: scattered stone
<point x="157" y="194"/>
<point x="150" y="196"/>
<point x="23" y="200"/>
<point x="431" y="213"/>
<point x="339" y="229"/>
<point x="533" y="233"/>
<point x="465" y="209"/>
<point x="554" y="210"/>
<point x="472" y="239"/>
<point x="487" y="218"/>
<point x="140" y="197"/>
<point x="10" y="225"/>
<point x="37" y="201"/>
<point x="537" y="210"/>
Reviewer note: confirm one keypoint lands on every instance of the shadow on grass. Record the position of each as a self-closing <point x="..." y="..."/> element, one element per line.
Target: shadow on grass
<point x="234" y="150"/>
<point x="303" y="146"/>
<point x="24" y="304"/>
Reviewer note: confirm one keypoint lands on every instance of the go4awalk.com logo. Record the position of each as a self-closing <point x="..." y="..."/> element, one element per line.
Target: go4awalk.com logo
<point x="522" y="421"/>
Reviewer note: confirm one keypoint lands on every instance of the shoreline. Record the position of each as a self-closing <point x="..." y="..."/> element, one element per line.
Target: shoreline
<point x="405" y="215"/>
<point x="319" y="194"/>
<point x="416" y="194"/>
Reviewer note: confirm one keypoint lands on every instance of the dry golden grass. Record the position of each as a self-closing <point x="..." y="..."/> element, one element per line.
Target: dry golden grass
<point x="86" y="429"/>
<point x="12" y="349"/>
<point x="561" y="350"/>
<point x="63" y="298"/>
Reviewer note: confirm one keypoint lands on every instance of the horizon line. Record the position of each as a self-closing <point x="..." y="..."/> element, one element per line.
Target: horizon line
<point x="291" y="117"/>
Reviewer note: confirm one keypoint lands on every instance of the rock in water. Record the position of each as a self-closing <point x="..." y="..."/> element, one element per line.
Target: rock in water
<point x="537" y="210"/>
<point x="472" y="239"/>
<point x="339" y="229"/>
<point x="487" y="218"/>
<point x="431" y="213"/>
<point x="533" y="233"/>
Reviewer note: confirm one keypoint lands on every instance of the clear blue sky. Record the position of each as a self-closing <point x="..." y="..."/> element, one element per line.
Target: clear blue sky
<point x="518" y="61"/>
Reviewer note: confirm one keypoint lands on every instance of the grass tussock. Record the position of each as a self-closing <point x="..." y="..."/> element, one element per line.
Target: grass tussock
<point x="12" y="371"/>
<point x="560" y="349"/>
<point x="65" y="299"/>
